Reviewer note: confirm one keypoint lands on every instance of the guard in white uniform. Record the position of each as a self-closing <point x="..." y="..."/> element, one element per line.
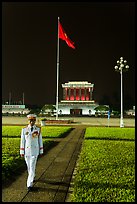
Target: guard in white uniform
<point x="31" y="145"/>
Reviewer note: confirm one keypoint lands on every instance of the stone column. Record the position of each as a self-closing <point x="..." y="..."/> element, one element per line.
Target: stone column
<point x="85" y="92"/>
<point x="74" y="94"/>
<point x="80" y="94"/>
<point x="90" y="94"/>
<point x="69" y="93"/>
<point x="64" y="94"/>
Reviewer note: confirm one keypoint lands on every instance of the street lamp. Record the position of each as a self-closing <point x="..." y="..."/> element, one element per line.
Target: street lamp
<point x="120" y="67"/>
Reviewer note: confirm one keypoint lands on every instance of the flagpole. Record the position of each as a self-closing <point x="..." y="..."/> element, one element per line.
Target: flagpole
<point x="57" y="73"/>
<point x="23" y="98"/>
<point x="9" y="98"/>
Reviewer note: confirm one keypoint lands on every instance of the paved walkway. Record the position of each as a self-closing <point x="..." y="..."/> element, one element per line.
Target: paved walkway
<point x="53" y="173"/>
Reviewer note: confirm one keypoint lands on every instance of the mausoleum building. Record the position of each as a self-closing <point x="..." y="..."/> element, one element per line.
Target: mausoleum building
<point x="77" y="99"/>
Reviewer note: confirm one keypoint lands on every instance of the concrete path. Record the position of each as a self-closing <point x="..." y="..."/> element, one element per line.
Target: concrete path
<point x="53" y="173"/>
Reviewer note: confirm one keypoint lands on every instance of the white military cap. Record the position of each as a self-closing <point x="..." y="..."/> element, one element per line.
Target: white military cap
<point x="31" y="116"/>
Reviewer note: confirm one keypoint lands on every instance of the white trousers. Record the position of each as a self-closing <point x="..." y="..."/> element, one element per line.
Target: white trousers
<point x="31" y="166"/>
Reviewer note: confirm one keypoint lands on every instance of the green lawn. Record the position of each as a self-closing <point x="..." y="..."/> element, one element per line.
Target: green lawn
<point x="11" y="160"/>
<point x="47" y="131"/>
<point x="106" y="168"/>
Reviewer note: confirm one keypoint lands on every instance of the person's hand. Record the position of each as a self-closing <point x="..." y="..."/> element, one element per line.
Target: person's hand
<point x="41" y="155"/>
<point x="22" y="155"/>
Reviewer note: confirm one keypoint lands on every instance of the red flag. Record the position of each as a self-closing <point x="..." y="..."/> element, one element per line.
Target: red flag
<point x="63" y="36"/>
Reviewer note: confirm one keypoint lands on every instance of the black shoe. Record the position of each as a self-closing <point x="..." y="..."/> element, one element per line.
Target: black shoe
<point x="30" y="188"/>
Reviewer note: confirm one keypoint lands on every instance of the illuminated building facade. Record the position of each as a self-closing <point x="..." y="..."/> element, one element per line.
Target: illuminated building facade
<point x="77" y="91"/>
<point x="77" y="99"/>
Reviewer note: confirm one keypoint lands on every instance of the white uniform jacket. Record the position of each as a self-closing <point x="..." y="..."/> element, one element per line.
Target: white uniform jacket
<point x="31" y="143"/>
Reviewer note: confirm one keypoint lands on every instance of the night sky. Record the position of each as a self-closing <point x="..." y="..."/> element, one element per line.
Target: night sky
<point x="102" y="32"/>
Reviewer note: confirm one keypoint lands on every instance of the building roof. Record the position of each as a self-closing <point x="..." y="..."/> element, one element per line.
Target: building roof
<point x="78" y="84"/>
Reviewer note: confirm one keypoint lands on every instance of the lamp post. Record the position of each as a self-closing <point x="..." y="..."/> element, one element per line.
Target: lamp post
<point x="120" y="67"/>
